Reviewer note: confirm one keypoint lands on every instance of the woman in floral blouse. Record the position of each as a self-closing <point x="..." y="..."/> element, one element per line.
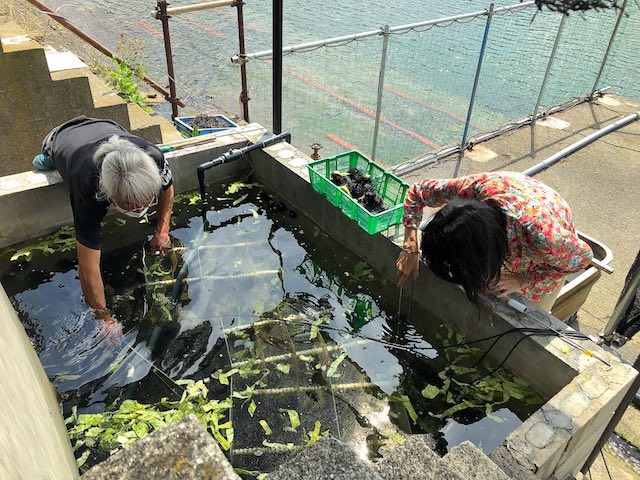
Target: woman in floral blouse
<point x="500" y="232"/>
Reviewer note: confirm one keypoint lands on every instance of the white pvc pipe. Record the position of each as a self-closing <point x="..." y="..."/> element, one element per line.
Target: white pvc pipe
<point x="372" y="33"/>
<point x="200" y="6"/>
<point x="543" y="165"/>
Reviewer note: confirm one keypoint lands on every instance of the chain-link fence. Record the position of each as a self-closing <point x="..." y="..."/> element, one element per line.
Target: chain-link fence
<point x="531" y="61"/>
<point x="332" y="92"/>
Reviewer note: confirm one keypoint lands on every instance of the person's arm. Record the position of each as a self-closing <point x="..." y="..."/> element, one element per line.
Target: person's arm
<point x="90" y="277"/>
<point x="435" y="193"/>
<point x="428" y="193"/>
<point x="160" y="240"/>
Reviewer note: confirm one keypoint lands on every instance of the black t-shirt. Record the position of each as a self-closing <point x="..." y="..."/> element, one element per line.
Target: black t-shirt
<point x="72" y="148"/>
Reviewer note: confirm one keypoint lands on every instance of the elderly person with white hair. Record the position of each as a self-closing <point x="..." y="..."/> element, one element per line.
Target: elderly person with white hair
<point x="102" y="164"/>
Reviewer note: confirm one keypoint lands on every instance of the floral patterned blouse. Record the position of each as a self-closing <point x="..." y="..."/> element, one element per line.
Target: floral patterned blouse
<point x="543" y="244"/>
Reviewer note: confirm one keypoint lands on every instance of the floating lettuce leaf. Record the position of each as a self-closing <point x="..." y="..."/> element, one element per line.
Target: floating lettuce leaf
<point x="265" y="426"/>
<point x="430" y="392"/>
<point x="293" y="417"/>
<point x="331" y="371"/>
<point x="284" y="368"/>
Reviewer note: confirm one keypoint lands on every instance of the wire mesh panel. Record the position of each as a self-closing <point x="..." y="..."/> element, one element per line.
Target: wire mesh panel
<point x="425" y="95"/>
<point x="623" y="63"/>
<point x="329" y="96"/>
<point x="581" y="49"/>
<point x="518" y="49"/>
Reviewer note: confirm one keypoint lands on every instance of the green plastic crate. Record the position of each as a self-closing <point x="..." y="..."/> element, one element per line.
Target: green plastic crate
<point x="387" y="185"/>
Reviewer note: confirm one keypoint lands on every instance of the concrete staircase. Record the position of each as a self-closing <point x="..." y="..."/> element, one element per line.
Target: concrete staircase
<point x="40" y="89"/>
<point x="413" y="460"/>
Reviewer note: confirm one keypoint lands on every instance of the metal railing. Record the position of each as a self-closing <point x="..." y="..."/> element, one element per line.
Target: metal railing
<point x="470" y="134"/>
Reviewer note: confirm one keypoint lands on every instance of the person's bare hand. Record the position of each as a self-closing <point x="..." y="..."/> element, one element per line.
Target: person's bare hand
<point x="407" y="264"/>
<point x="110" y="328"/>
<point x="508" y="283"/>
<point x="160" y="242"/>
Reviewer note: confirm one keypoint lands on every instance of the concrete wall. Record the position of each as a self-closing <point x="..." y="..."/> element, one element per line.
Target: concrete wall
<point x="34" y="443"/>
<point x="32" y="103"/>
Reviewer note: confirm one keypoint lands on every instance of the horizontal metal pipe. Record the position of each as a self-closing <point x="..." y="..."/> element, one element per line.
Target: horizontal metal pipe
<point x="214" y="247"/>
<point x="258" y="273"/>
<point x="309" y="351"/>
<point x="424" y="160"/>
<point x="200" y="6"/>
<point x="372" y="33"/>
<point x="312" y="388"/>
<point x="94" y="43"/>
<point x="583" y="142"/>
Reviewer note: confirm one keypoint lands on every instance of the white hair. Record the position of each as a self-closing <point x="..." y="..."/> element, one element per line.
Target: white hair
<point x="128" y="175"/>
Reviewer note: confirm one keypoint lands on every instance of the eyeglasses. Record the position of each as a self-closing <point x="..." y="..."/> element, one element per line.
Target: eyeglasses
<point x="153" y="203"/>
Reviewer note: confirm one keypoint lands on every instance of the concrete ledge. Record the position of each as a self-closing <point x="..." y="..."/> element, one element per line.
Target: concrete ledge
<point x="182" y="450"/>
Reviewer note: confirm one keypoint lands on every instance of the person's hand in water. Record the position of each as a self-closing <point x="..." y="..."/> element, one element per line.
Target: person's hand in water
<point x="160" y="242"/>
<point x="508" y="283"/>
<point x="407" y="264"/>
<point x="110" y="328"/>
<point x="409" y="260"/>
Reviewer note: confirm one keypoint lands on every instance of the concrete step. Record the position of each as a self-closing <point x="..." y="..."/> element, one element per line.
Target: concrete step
<point x="472" y="463"/>
<point x="14" y="39"/>
<point x="327" y="458"/>
<point x="414" y="460"/>
<point x="44" y="87"/>
<point x="182" y="449"/>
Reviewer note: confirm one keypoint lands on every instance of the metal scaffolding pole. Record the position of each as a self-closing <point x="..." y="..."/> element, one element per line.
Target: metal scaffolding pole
<point x="476" y="80"/>
<point x="161" y="14"/>
<point x="277" y="66"/>
<point x="244" y="94"/>
<point x="383" y="63"/>
<point x="548" y="70"/>
<point x="606" y="53"/>
<point x="372" y="33"/>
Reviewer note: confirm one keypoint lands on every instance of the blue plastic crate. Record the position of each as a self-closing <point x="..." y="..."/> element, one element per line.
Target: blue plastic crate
<point x="183" y="125"/>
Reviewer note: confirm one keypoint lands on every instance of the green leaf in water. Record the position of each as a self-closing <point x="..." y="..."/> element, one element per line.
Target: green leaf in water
<point x="278" y="446"/>
<point x="460" y="370"/>
<point x="238" y="201"/>
<point x="83" y="458"/>
<point x="314" y="435"/>
<point x="265" y="426"/>
<point x="194" y="199"/>
<point x="26" y="254"/>
<point x="430" y="391"/>
<point x="293" y="417"/>
<point x="331" y="371"/>
<point x="252" y="473"/>
<point x="410" y="410"/>
<point x="284" y="368"/>
<point x="252" y="408"/>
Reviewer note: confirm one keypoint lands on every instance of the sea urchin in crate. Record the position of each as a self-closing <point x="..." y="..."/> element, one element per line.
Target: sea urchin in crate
<point x="364" y="191"/>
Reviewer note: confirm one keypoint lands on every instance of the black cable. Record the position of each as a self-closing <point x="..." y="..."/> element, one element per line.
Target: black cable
<point x="488" y="374"/>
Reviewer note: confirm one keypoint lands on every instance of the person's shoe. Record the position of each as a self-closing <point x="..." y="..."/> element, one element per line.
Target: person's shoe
<point x="43" y="162"/>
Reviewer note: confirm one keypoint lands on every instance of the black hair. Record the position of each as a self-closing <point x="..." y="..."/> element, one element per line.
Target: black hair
<point x="466" y="243"/>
